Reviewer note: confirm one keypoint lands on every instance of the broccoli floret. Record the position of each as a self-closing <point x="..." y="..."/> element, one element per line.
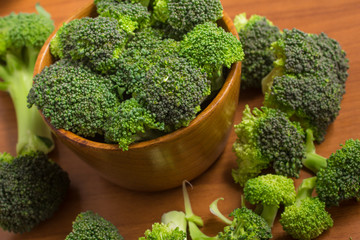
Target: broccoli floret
<point x="307" y="218"/>
<point x="98" y="42"/>
<point x="269" y="191"/>
<point x="211" y="48"/>
<point x="184" y="15"/>
<point x="266" y="136"/>
<point x="21" y="37"/>
<point x="256" y="35"/>
<point x="91" y="226"/>
<point x="74" y="98"/>
<point x="32" y="188"/>
<point x="304" y="82"/>
<point x="130" y="16"/>
<point x="130" y="122"/>
<point x="172" y="227"/>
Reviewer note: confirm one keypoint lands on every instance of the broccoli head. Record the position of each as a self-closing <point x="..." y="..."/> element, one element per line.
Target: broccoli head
<point x="130" y="122"/>
<point x="74" y="98"/>
<point x="269" y="192"/>
<point x="130" y="16"/>
<point x="21" y="38"/>
<point x="32" y="188"/>
<point x="307" y="218"/>
<point x="184" y="15"/>
<point x="304" y="82"/>
<point x="98" y="42"/>
<point x="266" y="136"/>
<point x="211" y="48"/>
<point x="256" y="35"/>
<point x="91" y="226"/>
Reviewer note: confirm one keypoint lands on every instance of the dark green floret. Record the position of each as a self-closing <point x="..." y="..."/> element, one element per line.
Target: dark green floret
<point x="256" y="35"/>
<point x="269" y="192"/>
<point x="308" y="79"/>
<point x="267" y="137"/>
<point x="307" y="218"/>
<point x="98" y="42"/>
<point x="32" y="188"/>
<point x="21" y="38"/>
<point x="91" y="226"/>
<point x="74" y="98"/>
<point x="211" y="48"/>
<point x="184" y="15"/>
<point x="130" y="16"/>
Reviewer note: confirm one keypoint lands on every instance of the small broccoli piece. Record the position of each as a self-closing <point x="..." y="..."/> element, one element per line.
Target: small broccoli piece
<point x="32" y="188"/>
<point x="304" y="82"/>
<point x="130" y="122"/>
<point x="307" y="218"/>
<point x="74" y="98"/>
<point x="266" y="136"/>
<point x="256" y="35"/>
<point x="184" y="15"/>
<point x="21" y="38"/>
<point x="172" y="227"/>
<point x="91" y="226"/>
<point x="98" y="42"/>
<point x="211" y="48"/>
<point x="130" y="16"/>
<point x="269" y="191"/>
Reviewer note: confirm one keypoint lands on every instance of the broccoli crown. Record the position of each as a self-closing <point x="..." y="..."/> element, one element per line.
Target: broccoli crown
<point x="340" y="180"/>
<point x="23" y="30"/>
<point x="128" y="123"/>
<point x="210" y="48"/>
<point x="32" y="188"/>
<point x="256" y="36"/>
<point x="270" y="190"/>
<point x="173" y="90"/>
<point x="246" y="225"/>
<point x="74" y="98"/>
<point x="162" y="231"/>
<point x="91" y="226"/>
<point x="307" y="219"/>
<point x="266" y="136"/>
<point x="130" y="16"/>
<point x="184" y="15"/>
<point x="97" y="42"/>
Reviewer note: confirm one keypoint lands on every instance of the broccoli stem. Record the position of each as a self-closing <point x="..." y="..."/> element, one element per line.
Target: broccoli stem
<point x="17" y="75"/>
<point x="305" y="189"/>
<point x="312" y="160"/>
<point x="175" y="219"/>
<point x="267" y="81"/>
<point x="215" y="210"/>
<point x="190" y="216"/>
<point x="269" y="213"/>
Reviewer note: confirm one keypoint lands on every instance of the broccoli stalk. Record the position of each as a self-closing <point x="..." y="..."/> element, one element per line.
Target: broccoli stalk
<point x="312" y="160"/>
<point x="17" y="62"/>
<point x="306" y="218"/>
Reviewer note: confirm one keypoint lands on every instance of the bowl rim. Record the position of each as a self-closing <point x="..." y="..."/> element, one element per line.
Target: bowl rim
<point x="169" y="137"/>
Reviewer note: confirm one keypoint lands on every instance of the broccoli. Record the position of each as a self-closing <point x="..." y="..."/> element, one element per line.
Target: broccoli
<point x="338" y="176"/>
<point x="307" y="218"/>
<point x="308" y="79"/>
<point x="130" y="122"/>
<point x="182" y="16"/>
<point x="130" y="16"/>
<point x="256" y="35"/>
<point x="21" y="37"/>
<point x="91" y="226"/>
<point x="98" y="42"/>
<point x="211" y="48"/>
<point x="268" y="192"/>
<point x="266" y="136"/>
<point x="74" y="98"/>
<point x="172" y="227"/>
<point x="32" y="188"/>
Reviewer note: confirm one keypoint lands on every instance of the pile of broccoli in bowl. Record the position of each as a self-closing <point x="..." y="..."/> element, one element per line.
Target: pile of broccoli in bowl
<point x="136" y="71"/>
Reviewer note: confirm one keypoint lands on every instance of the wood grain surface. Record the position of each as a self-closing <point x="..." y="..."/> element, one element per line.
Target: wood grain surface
<point x="133" y="212"/>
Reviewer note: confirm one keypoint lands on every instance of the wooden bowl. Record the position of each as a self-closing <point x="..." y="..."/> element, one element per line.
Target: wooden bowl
<point x="164" y="162"/>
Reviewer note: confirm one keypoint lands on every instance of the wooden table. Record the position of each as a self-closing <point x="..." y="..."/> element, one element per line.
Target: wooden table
<point x="134" y="212"/>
